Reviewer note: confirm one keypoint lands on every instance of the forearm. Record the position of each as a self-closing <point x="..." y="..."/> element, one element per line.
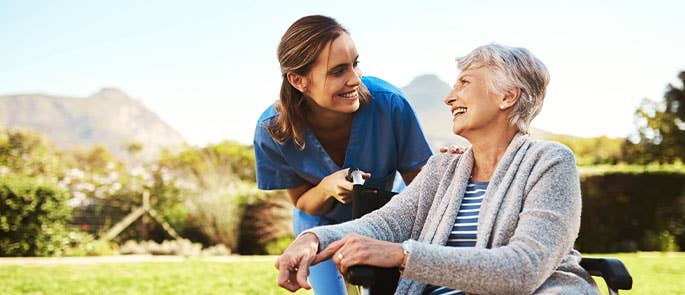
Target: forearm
<point x="315" y="201"/>
<point x="393" y="222"/>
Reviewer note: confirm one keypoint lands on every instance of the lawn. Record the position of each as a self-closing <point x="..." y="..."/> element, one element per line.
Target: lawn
<point x="192" y="276"/>
<point x="653" y="273"/>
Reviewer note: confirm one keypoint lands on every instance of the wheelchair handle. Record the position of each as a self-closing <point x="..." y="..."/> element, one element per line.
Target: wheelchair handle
<point x="354" y="175"/>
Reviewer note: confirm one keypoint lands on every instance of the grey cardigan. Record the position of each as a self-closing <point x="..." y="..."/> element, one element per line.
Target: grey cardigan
<point x="527" y="225"/>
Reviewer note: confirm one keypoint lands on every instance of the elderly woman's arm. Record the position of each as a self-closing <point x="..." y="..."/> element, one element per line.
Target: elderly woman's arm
<point x="394" y="221"/>
<point x="547" y="228"/>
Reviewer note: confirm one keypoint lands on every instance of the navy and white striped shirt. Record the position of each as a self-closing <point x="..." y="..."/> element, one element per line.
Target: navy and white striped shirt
<point x="465" y="227"/>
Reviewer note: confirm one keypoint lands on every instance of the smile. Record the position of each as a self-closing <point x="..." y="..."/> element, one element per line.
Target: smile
<point x="351" y="94"/>
<point x="458" y="111"/>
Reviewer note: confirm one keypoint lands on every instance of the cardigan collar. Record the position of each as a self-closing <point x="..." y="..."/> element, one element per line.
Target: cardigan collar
<point x="452" y="192"/>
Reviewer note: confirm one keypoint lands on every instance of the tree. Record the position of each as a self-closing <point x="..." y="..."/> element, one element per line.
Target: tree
<point x="660" y="135"/>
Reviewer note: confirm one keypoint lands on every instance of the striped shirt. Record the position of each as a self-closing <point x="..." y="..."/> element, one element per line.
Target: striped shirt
<point x="465" y="228"/>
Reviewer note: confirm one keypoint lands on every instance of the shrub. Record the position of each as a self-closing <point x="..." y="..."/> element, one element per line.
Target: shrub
<point x="180" y="247"/>
<point x="84" y="244"/>
<point x="278" y="245"/>
<point x="630" y="211"/>
<point x="266" y="225"/>
<point x="218" y="210"/>
<point x="34" y="217"/>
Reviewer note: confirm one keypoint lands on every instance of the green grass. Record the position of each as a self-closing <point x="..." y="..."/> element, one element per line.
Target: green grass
<point x="653" y="273"/>
<point x="189" y="277"/>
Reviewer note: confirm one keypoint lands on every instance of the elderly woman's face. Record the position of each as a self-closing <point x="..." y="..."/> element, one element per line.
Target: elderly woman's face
<point x="474" y="106"/>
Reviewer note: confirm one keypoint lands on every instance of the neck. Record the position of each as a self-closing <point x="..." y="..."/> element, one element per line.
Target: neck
<point x="488" y="149"/>
<point x="323" y="119"/>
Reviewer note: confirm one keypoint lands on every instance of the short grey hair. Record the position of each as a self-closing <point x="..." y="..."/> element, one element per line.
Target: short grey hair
<point x="512" y="67"/>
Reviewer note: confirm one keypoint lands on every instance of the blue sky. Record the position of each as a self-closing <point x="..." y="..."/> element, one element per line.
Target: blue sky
<point x="209" y="68"/>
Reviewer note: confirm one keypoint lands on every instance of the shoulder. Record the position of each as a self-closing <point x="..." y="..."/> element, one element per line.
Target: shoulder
<point x="268" y="115"/>
<point x="440" y="162"/>
<point x="267" y="118"/>
<point x="545" y="156"/>
<point x="380" y="88"/>
<point x="550" y="151"/>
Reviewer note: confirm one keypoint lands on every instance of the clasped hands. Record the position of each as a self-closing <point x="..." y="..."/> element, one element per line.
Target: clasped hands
<point x="293" y="265"/>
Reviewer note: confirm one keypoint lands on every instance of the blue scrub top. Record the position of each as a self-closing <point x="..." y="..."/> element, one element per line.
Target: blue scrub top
<point x="386" y="137"/>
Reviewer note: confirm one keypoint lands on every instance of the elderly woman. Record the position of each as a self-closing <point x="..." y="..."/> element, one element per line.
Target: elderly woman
<point x="501" y="218"/>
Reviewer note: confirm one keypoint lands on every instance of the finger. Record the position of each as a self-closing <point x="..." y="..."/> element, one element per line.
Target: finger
<point x="284" y="278"/>
<point x="325" y="254"/>
<point x="460" y="150"/>
<point x="346" y="186"/>
<point x="302" y="272"/>
<point x="347" y="261"/>
<point x="366" y="175"/>
<point x="443" y="149"/>
<point x="346" y="198"/>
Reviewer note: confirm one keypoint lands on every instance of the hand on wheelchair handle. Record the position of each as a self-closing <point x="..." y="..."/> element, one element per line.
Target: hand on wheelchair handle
<point x="337" y="185"/>
<point x="355" y="249"/>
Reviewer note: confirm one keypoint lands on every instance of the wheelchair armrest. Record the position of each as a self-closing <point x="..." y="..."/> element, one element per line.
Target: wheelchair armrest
<point x="612" y="270"/>
<point x="378" y="280"/>
<point x="361" y="275"/>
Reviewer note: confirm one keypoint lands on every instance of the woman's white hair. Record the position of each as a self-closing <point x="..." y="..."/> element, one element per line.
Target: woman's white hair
<point x="512" y="67"/>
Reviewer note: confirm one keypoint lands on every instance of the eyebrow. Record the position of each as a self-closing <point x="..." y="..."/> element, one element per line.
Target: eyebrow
<point x="461" y="77"/>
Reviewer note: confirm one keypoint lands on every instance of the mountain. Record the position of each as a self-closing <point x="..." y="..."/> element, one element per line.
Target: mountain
<point x="109" y="118"/>
<point x="426" y="94"/>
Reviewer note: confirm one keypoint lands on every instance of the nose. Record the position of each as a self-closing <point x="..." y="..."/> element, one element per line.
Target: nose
<point x="355" y="79"/>
<point x="451" y="97"/>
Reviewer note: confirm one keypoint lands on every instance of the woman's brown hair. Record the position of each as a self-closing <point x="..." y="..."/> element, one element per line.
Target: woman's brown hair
<point x="299" y="48"/>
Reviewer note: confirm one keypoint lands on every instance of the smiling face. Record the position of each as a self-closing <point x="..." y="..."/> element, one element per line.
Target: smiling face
<point x="474" y="105"/>
<point x="332" y="83"/>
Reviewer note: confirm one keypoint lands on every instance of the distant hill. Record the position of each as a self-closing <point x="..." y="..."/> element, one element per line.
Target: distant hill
<point x="426" y="94"/>
<point x="109" y="118"/>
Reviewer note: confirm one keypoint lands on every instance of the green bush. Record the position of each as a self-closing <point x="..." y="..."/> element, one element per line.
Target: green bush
<point x="34" y="217"/>
<point x="278" y="245"/>
<point x="266" y="224"/>
<point x="84" y="244"/>
<point x="631" y="211"/>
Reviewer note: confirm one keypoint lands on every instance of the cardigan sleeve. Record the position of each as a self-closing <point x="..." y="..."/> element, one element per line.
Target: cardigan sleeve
<point x="547" y="227"/>
<point x="394" y="221"/>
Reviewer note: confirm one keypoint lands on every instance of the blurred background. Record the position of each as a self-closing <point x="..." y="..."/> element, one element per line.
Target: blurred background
<point x="126" y="127"/>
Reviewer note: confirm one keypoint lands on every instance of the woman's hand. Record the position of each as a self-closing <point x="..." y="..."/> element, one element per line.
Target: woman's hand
<point x="337" y="186"/>
<point x="356" y="249"/>
<point x="453" y="149"/>
<point x="293" y="264"/>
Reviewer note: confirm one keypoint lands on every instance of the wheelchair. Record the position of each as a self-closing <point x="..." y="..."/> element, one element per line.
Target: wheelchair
<point x="382" y="281"/>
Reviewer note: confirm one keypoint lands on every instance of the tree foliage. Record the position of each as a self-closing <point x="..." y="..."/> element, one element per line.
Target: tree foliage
<point x="593" y="151"/>
<point x="660" y="135"/>
<point x="34" y="217"/>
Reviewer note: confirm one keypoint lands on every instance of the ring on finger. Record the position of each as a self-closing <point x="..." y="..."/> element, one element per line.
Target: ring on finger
<point x="340" y="256"/>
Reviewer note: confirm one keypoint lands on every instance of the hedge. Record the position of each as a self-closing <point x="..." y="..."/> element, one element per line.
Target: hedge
<point x="630" y="211"/>
<point x="33" y="219"/>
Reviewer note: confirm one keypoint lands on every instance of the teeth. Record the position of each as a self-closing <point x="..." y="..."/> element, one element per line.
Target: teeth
<point x="459" y="110"/>
<point x="349" y="95"/>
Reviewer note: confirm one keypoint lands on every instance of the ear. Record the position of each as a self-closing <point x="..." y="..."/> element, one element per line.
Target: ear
<point x="510" y="98"/>
<point x="297" y="81"/>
